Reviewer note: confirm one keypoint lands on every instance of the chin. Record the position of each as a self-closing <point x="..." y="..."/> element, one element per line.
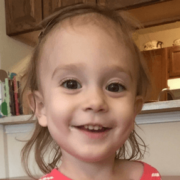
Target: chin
<point x="94" y="157"/>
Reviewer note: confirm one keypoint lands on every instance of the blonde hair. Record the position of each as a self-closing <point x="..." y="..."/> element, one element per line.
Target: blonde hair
<point x="41" y="139"/>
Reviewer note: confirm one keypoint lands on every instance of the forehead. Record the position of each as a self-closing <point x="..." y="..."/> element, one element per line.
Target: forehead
<point x="70" y="42"/>
<point x="108" y="27"/>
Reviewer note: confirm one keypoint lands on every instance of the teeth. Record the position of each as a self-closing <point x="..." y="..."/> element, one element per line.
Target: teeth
<point x="96" y="127"/>
<point x="91" y="127"/>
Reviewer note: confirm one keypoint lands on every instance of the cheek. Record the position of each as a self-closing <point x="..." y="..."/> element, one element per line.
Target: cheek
<point x="59" y="109"/>
<point x="125" y="115"/>
<point x="126" y="124"/>
<point x="59" y="114"/>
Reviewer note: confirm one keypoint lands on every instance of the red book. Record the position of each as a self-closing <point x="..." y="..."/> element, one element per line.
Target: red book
<point x="16" y="96"/>
<point x="19" y="100"/>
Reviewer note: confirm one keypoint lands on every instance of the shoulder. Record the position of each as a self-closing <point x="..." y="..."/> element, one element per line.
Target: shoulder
<point x="138" y="170"/>
<point x="54" y="175"/>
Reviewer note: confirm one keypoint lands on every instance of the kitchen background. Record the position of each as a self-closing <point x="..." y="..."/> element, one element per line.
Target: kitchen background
<point x="163" y="138"/>
<point x="165" y="33"/>
<point x="14" y="54"/>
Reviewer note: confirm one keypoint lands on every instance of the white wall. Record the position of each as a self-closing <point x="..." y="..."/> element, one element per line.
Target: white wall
<point x="11" y="51"/>
<point x="0" y="61"/>
<point x="19" y="67"/>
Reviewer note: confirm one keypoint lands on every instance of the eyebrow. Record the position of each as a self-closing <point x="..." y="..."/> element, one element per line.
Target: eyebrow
<point x="79" y="66"/>
<point x="68" y="67"/>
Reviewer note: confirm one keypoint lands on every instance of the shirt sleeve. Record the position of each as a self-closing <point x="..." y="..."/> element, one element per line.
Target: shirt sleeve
<point x="150" y="173"/>
<point x="55" y="175"/>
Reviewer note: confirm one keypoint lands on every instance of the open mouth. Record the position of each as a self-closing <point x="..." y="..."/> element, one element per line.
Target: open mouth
<point x="93" y="131"/>
<point x="92" y="128"/>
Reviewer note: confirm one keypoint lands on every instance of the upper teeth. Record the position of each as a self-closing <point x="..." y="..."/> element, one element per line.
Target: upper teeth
<point x="91" y="127"/>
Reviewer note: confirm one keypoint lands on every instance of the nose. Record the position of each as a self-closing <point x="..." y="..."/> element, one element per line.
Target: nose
<point x="95" y="101"/>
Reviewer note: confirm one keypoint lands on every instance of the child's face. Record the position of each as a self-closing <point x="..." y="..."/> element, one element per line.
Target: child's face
<point x="101" y="91"/>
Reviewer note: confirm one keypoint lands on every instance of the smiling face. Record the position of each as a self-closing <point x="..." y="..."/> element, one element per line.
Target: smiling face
<point x="87" y="78"/>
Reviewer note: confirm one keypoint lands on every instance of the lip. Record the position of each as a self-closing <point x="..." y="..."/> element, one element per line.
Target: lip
<point x="94" y="135"/>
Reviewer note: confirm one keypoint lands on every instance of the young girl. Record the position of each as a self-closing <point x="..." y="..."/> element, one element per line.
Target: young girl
<point x="87" y="83"/>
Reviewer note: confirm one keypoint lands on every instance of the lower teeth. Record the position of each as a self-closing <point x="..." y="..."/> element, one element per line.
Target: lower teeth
<point x="92" y="130"/>
<point x="102" y="130"/>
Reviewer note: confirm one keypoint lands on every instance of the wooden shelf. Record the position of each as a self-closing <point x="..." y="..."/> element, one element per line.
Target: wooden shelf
<point x="22" y="119"/>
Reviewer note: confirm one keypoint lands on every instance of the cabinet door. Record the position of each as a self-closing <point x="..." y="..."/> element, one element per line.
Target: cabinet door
<point x="22" y="15"/>
<point x="174" y="62"/>
<point x="157" y="64"/>
<point x="114" y="4"/>
<point x="49" y="6"/>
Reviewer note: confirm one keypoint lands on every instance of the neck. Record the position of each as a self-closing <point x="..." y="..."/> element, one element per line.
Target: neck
<point x="78" y="169"/>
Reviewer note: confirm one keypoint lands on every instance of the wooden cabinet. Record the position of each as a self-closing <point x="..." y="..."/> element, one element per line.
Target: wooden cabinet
<point x="49" y="6"/>
<point x="157" y="61"/>
<point x="110" y="3"/>
<point x="119" y="4"/>
<point x="22" y="15"/>
<point x="174" y="62"/>
<point x="163" y="64"/>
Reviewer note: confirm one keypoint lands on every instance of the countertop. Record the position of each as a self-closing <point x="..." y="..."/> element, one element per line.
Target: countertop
<point x="161" y="106"/>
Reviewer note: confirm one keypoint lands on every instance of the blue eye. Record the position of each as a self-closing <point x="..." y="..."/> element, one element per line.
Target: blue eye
<point x="71" y="84"/>
<point x="115" y="87"/>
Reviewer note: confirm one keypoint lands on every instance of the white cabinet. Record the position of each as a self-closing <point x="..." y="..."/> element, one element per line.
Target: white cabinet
<point x="3" y="165"/>
<point x="11" y="145"/>
<point x="14" y="136"/>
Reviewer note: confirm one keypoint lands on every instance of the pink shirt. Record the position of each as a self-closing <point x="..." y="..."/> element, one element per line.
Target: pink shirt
<point x="150" y="173"/>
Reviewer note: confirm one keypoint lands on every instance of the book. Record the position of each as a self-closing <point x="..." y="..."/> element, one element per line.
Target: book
<point x="7" y="97"/>
<point x="19" y="100"/>
<point x="11" y="92"/>
<point x="4" y="99"/>
<point x="1" y="97"/>
<point x="16" y="96"/>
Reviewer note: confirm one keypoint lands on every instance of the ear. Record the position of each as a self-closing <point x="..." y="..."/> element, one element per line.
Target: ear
<point x="36" y="103"/>
<point x="138" y="105"/>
